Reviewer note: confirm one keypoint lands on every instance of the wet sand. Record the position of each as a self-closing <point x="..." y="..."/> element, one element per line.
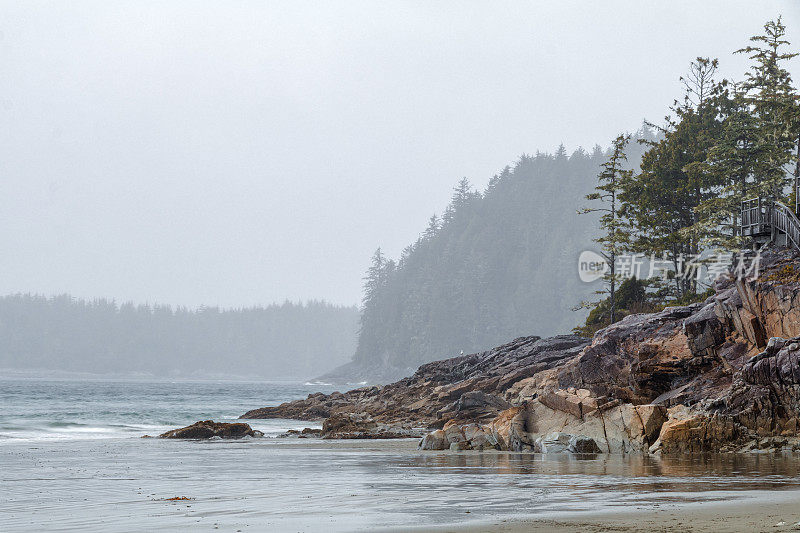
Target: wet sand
<point x="749" y="512"/>
<point x="121" y="485"/>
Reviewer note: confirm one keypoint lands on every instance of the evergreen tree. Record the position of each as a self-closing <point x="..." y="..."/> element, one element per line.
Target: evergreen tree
<point x="501" y="264"/>
<point x="463" y="195"/>
<point x="699" y="84"/>
<point x="752" y="151"/>
<point x="662" y="200"/>
<point x="432" y="229"/>
<point x="616" y="233"/>
<point x="376" y="278"/>
<point x="732" y="161"/>
<point x="772" y="100"/>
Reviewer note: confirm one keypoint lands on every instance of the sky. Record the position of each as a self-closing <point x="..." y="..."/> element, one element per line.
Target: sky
<point x="243" y="153"/>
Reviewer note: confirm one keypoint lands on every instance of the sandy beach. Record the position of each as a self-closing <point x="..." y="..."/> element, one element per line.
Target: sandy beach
<point x="749" y="512"/>
<point x="91" y="471"/>
<point x="131" y="484"/>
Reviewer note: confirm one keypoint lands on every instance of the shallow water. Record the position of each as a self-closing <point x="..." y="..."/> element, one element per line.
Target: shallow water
<point x="121" y="483"/>
<point x="294" y="485"/>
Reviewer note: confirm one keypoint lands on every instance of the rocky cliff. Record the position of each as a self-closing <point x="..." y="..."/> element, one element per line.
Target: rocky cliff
<point x="721" y="375"/>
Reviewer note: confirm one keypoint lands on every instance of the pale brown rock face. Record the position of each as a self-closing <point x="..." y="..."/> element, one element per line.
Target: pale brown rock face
<point x="704" y="377"/>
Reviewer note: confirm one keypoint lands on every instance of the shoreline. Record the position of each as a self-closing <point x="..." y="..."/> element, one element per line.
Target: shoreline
<point x="385" y="485"/>
<point x="743" y="511"/>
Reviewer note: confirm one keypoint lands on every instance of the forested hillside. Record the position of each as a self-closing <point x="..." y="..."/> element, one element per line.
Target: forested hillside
<point x="498" y="264"/>
<point x="503" y="263"/>
<point x="278" y="341"/>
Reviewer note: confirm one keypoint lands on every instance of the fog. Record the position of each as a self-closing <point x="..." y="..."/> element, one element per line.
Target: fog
<point x="242" y="153"/>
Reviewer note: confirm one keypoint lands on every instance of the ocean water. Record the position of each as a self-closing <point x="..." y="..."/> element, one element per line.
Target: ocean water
<point x="40" y="410"/>
<point x="71" y="460"/>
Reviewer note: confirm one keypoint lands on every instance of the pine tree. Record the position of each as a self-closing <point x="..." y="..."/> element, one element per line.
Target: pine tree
<point x="699" y="82"/>
<point x="433" y="228"/>
<point x="375" y="278"/>
<point x="771" y="97"/>
<point x="732" y="161"/>
<point x="463" y="194"/>
<point x="663" y="199"/>
<point x="616" y="237"/>
<point x="753" y="150"/>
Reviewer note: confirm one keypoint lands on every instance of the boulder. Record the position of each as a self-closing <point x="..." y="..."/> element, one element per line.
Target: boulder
<point x="479" y="437"/>
<point x="362" y="426"/>
<point x="348" y="423"/>
<point x="694" y="431"/>
<point x="634" y="360"/>
<point x="704" y="331"/>
<point x="778" y="364"/>
<point x="553" y="443"/>
<point x="650" y="419"/>
<point x="459" y="446"/>
<point x="575" y="402"/>
<point x="435" y="440"/>
<point x="501" y="427"/>
<point x="206" y="429"/>
<point x="453" y="433"/>
<point x="305" y="433"/>
<point x="583" y="445"/>
<point x="454" y="437"/>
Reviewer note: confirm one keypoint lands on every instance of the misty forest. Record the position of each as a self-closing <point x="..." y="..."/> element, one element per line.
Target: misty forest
<point x="494" y="265"/>
<point x="501" y="264"/>
<point x="101" y="337"/>
<point x="483" y="272"/>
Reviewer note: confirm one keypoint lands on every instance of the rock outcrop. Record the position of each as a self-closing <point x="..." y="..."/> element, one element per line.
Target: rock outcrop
<point x="719" y="375"/>
<point x="363" y="426"/>
<point x="207" y="429"/>
<point x="467" y="388"/>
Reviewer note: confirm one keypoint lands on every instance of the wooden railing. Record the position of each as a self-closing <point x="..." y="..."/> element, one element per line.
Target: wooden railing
<point x="753" y="218"/>
<point x="766" y="217"/>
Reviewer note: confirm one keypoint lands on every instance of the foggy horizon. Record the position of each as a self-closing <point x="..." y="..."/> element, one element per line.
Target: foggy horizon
<point x="155" y="157"/>
<point x="383" y="266"/>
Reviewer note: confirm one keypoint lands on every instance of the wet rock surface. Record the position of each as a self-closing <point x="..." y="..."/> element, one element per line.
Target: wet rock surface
<point x="207" y="429"/>
<point x="466" y="388"/>
<point x="305" y="433"/>
<point x="720" y="375"/>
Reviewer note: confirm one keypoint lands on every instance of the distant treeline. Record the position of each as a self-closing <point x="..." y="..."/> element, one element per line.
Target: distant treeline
<point x="63" y="333"/>
<point x="497" y="265"/>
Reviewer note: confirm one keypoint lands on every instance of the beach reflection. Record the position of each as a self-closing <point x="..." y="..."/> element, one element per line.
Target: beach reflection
<point x="311" y="485"/>
<point x="720" y="466"/>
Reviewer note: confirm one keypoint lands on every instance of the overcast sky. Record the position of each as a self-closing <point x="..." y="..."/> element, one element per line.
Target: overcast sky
<point x="239" y="153"/>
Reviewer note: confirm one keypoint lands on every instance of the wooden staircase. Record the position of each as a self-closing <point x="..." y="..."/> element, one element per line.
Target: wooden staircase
<point x="766" y="220"/>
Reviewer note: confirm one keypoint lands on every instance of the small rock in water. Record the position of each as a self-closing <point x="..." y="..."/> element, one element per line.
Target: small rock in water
<point x="583" y="445"/>
<point x="208" y="429"/>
